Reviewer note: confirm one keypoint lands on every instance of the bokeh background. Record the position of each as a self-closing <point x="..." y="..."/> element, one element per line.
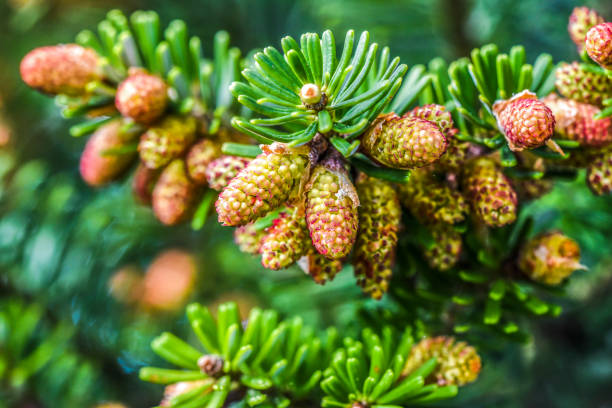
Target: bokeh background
<point x="92" y="277"/>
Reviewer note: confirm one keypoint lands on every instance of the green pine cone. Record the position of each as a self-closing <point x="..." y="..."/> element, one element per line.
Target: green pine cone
<point x="286" y="241"/>
<point x="174" y="194"/>
<point x="458" y="362"/>
<point x="489" y="192"/>
<point x="273" y="178"/>
<point x="331" y="210"/>
<point x="404" y="142"/>
<point x="574" y="81"/>
<point x="319" y="268"/>
<point x="599" y="173"/>
<point x="200" y="156"/>
<point x="248" y="238"/>
<point x="379" y="222"/>
<point x="446" y="248"/>
<point x="166" y="141"/>
<point x="432" y="201"/>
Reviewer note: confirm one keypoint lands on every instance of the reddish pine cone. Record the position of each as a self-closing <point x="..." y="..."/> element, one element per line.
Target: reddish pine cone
<point x="379" y="221"/>
<point x="599" y="44"/>
<point x="458" y="362"/>
<point x="525" y="121"/>
<point x="331" y="210"/>
<point x="269" y="181"/>
<point x="60" y="69"/>
<point x="574" y="121"/>
<point x="550" y="258"/>
<point x="99" y="164"/>
<point x="445" y="251"/>
<point x="285" y="242"/>
<point x="438" y="115"/>
<point x="222" y="170"/>
<point x="577" y="83"/>
<point x="201" y="155"/>
<point x="248" y="238"/>
<point x="580" y="21"/>
<point x="319" y="268"/>
<point x="404" y="143"/>
<point x="143" y="183"/>
<point x="489" y="192"/>
<point x="142" y="97"/>
<point x="174" y="194"/>
<point x="599" y="173"/>
<point x="166" y="141"/>
<point x="431" y="200"/>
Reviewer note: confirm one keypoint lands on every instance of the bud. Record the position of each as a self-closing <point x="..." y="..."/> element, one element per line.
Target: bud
<point x="201" y="155"/>
<point x="99" y="163"/>
<point x="60" y="69"/>
<point x="166" y="141"/>
<point x="458" y="362"/>
<point x="286" y="241"/>
<point x="142" y="97"/>
<point x="143" y="182"/>
<point x="222" y="170"/>
<point x="125" y="284"/>
<point x="310" y="94"/>
<point x="580" y="21"/>
<point x="445" y="251"/>
<point x="211" y="364"/>
<point x="599" y="173"/>
<point x="431" y="200"/>
<point x="576" y="82"/>
<point x="525" y="121"/>
<point x="404" y="142"/>
<point x="379" y="222"/>
<point x="574" y="121"/>
<point x="550" y="258"/>
<point x="318" y="267"/>
<point x="331" y="209"/>
<point x="248" y="238"/>
<point x="491" y="196"/>
<point x="599" y="44"/>
<point x="174" y="194"/>
<point x="269" y="181"/>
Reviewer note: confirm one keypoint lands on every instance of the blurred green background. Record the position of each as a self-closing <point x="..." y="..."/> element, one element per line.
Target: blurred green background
<point x="61" y="243"/>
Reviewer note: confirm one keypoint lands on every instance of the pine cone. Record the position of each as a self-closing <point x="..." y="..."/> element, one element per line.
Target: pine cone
<point x="491" y="196"/>
<point x="99" y="164"/>
<point x="574" y="121"/>
<point x="285" y="242"/>
<point x="580" y="21"/>
<point x="455" y="156"/>
<point x="221" y="171"/>
<point x="458" y="362"/>
<point x="142" y="97"/>
<point x="174" y="194"/>
<point x="532" y="189"/>
<point x="269" y="181"/>
<point x="599" y="44"/>
<point x="432" y="201"/>
<point x="446" y="249"/>
<point x="550" y="258"/>
<point x="319" y="268"/>
<point x="577" y="83"/>
<point x="404" y="142"/>
<point x="525" y="121"/>
<point x="201" y="155"/>
<point x="60" y="69"/>
<point x="438" y="115"/>
<point x="379" y="222"/>
<point x="143" y="182"/>
<point x="248" y="238"/>
<point x="166" y="141"/>
<point x="599" y="173"/>
<point x="331" y="210"/>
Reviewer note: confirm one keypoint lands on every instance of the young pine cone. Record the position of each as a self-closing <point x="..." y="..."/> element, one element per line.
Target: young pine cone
<point x="599" y="44"/>
<point x="142" y="97"/>
<point x="269" y="181"/>
<point x="405" y="142"/>
<point x="550" y="258"/>
<point x="599" y="173"/>
<point x="580" y="21"/>
<point x="574" y="81"/>
<point x="166" y="141"/>
<point x="60" y="69"/>
<point x="99" y="164"/>
<point x="379" y="222"/>
<point x="285" y="242"/>
<point x="174" y="194"/>
<point x="458" y="362"/>
<point x="489" y="192"/>
<point x="248" y="238"/>
<point x="221" y="171"/>
<point x="525" y="121"/>
<point x="200" y="155"/>
<point x="446" y="249"/>
<point x="331" y="210"/>
<point x="432" y="201"/>
<point x="143" y="182"/>
<point x="575" y="121"/>
<point x="318" y="267"/>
